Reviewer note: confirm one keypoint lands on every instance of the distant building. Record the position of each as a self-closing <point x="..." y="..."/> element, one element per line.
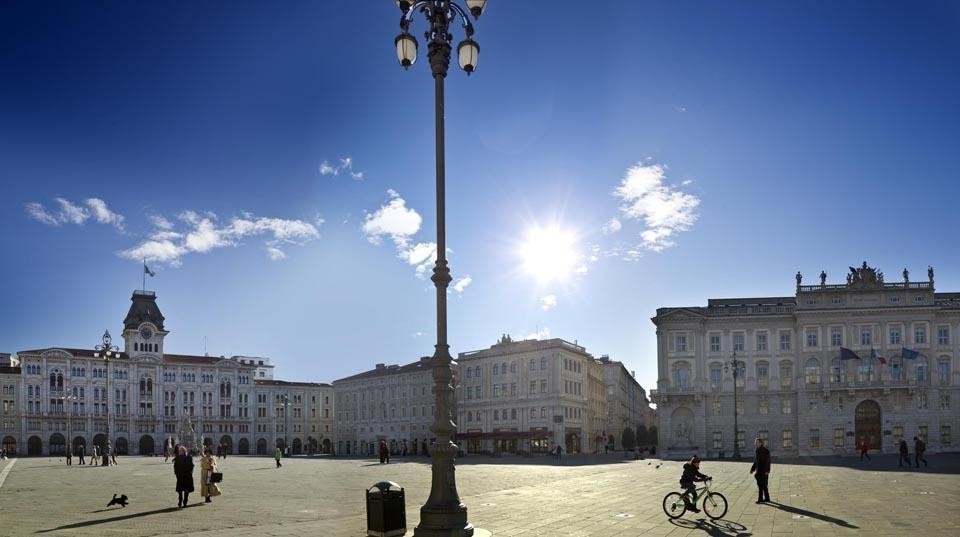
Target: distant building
<point x="390" y="403"/>
<point x="627" y="404"/>
<point x="264" y="371"/>
<point x="528" y="396"/>
<point x="151" y="399"/>
<point x="822" y="371"/>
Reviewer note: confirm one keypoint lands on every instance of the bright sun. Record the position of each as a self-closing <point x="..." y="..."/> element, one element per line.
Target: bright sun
<point x="549" y="254"/>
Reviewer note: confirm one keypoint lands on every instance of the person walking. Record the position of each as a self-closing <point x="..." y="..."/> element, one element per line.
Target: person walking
<point x="93" y="456"/>
<point x="864" y="448"/>
<point x="904" y="453"/>
<point x="69" y="455"/>
<point x="919" y="446"/>
<point x="761" y="468"/>
<point x="276" y="455"/>
<point x="384" y="453"/>
<point x="80" y="454"/>
<point x="183" y="469"/>
<point x="208" y="465"/>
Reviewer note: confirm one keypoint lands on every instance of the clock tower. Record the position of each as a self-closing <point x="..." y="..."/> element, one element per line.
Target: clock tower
<point x="143" y="330"/>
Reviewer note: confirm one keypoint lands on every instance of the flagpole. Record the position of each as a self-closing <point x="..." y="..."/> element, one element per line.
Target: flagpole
<point x="144" y="289"/>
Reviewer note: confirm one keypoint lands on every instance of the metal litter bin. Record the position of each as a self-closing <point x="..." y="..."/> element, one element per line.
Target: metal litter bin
<point x="386" y="510"/>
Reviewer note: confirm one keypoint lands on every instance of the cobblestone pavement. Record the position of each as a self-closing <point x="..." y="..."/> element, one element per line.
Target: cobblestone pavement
<point x="586" y="496"/>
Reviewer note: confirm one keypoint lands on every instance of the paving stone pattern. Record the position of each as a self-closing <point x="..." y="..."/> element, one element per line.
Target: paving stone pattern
<point x="586" y="496"/>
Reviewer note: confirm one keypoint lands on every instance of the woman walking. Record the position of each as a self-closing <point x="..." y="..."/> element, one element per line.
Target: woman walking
<point x="183" y="469"/>
<point x="208" y="465"/>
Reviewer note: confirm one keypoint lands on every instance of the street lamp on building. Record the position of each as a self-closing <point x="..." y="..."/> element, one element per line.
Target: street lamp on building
<point x="286" y="420"/>
<point x="736" y="366"/>
<point x="68" y="398"/>
<point x="107" y="350"/>
<point x="443" y="513"/>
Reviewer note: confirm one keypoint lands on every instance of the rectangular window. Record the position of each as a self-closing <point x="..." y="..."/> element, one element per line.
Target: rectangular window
<point x="714" y="342"/>
<point x="894" y="335"/>
<point x="943" y="372"/>
<point x="762" y="342"/>
<point x="813" y="405"/>
<point x="922" y="401"/>
<point x="681" y="343"/>
<point x="533" y="387"/>
<point x="814" y="438"/>
<point x="836" y="337"/>
<point x="944" y="401"/>
<point x="787" y="436"/>
<point x="944" y="435"/>
<point x="897" y="432"/>
<point x="763" y="375"/>
<point x="919" y="335"/>
<point x="785" y="341"/>
<point x="741" y="439"/>
<point x="738" y="342"/>
<point x="717" y="408"/>
<point x="764" y="407"/>
<point x="922" y="432"/>
<point x="717" y="440"/>
<point x="811" y="338"/>
<point x="943" y="335"/>
<point x="786" y="406"/>
<point x="838" y="438"/>
<point x="866" y="337"/>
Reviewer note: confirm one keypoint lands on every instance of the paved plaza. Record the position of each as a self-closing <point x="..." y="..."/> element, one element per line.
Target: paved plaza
<point x="586" y="496"/>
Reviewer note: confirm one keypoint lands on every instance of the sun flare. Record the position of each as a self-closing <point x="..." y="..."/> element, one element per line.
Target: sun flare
<point x="549" y="254"/>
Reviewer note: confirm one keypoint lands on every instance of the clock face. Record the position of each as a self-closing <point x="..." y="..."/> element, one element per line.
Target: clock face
<point x="146" y="333"/>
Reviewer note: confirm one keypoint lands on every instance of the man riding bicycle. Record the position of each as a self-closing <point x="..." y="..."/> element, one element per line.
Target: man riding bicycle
<point x="691" y="474"/>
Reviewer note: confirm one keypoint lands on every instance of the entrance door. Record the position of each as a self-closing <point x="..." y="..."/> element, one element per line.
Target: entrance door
<point x="868" y="424"/>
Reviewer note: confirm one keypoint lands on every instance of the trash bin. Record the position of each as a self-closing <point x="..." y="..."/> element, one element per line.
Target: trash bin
<point x="386" y="510"/>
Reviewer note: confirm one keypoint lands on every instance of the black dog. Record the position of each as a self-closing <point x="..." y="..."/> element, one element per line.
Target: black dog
<point x="121" y="501"/>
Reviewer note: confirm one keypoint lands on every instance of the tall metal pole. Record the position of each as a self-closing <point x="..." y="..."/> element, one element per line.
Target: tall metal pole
<point x="106" y="413"/>
<point x="443" y="513"/>
<point x="736" y="412"/>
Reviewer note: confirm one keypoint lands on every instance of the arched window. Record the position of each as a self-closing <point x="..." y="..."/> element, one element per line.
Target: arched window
<point x="496" y="415"/>
<point x="477" y="371"/>
<point x="837" y="370"/>
<point x="533" y="364"/>
<point x="469" y="372"/>
<point x="513" y="413"/>
<point x="920" y="370"/>
<point x="496" y="369"/>
<point x="53" y="381"/>
<point x="681" y="375"/>
<point x="811" y="371"/>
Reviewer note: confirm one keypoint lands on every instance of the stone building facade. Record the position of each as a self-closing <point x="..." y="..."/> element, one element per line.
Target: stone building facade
<point x="627" y="404"/>
<point x="390" y="403"/>
<point x="528" y="396"/>
<point x="143" y="399"/>
<point x="9" y="399"/>
<point x="819" y="372"/>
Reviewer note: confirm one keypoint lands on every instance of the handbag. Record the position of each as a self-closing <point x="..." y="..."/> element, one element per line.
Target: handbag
<point x="216" y="477"/>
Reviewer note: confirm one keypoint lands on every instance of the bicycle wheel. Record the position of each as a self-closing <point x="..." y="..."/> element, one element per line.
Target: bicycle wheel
<point x="673" y="505"/>
<point x="715" y="505"/>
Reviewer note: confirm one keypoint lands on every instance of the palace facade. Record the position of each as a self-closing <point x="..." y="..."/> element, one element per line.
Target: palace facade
<point x="140" y="399"/>
<point x="819" y="372"/>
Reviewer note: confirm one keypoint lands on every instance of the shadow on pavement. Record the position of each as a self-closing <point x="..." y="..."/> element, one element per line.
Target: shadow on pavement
<point x="115" y="519"/>
<point x="714" y="528"/>
<point x="811" y="514"/>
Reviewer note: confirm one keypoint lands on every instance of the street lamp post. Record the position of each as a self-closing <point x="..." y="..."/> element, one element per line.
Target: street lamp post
<point x="67" y="402"/>
<point x="107" y="350"/>
<point x="735" y="365"/>
<point x="286" y="421"/>
<point x="443" y="513"/>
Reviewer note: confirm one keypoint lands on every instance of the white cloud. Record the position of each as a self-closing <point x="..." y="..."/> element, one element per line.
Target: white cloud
<point x="462" y="283"/>
<point x="418" y="334"/>
<point x="541" y="333"/>
<point x="104" y="215"/>
<point x="344" y="166"/>
<point x="160" y="222"/>
<point x="394" y="220"/>
<point x="548" y="302"/>
<point x="275" y="253"/>
<point x="662" y="209"/>
<point x="72" y="213"/>
<point x="611" y="226"/>
<point x="400" y="223"/>
<point x="205" y="234"/>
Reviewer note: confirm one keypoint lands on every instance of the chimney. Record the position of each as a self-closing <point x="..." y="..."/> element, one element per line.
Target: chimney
<point x="380" y="366"/>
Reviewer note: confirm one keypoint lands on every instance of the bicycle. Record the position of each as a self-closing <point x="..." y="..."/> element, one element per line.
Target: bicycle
<point x="714" y="504"/>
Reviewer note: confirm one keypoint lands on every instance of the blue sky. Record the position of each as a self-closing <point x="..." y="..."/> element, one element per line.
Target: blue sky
<point x="276" y="166"/>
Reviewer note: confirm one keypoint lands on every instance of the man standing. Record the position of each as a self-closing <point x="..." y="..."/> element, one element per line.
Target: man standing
<point x="904" y="454"/>
<point x="80" y="454"/>
<point x="69" y="455"/>
<point x="864" y="448"/>
<point x="919" y="446"/>
<point x="761" y="465"/>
